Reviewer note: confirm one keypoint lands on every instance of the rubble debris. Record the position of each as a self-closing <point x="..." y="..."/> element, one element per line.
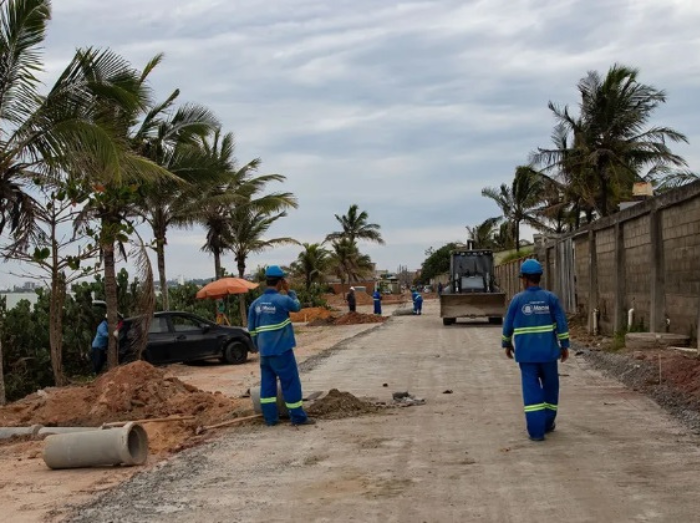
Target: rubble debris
<point x="448" y="391"/>
<point x="406" y="399"/>
<point x="338" y="405"/>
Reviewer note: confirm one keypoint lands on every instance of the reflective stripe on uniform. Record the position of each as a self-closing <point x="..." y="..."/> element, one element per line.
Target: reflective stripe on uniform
<point x="269" y="328"/>
<point x="535" y="408"/>
<point x="564" y="336"/>
<point x="253" y="333"/>
<point x="296" y="405"/>
<point x="550" y="406"/>
<point x="506" y="338"/>
<point x="264" y="401"/>
<point x="534" y="330"/>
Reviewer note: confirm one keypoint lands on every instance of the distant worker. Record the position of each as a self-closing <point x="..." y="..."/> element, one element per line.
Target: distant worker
<point x="99" y="347"/>
<point x="417" y="303"/>
<point x="536" y="324"/>
<point x="377" y="296"/>
<point x="440" y="289"/>
<point x="273" y="335"/>
<point x="352" y="300"/>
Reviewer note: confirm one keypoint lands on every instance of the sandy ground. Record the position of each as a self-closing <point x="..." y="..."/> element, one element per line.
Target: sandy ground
<point x="615" y="457"/>
<point x="29" y="492"/>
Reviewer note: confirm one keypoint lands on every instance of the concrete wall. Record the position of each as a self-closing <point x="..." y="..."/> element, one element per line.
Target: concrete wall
<point x="646" y="257"/>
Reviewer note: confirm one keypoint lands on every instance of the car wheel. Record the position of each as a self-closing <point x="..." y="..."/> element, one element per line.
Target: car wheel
<point x="496" y="320"/>
<point x="235" y="353"/>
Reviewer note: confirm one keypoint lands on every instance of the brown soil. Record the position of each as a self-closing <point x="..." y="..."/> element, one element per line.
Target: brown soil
<point x="322" y="322"/>
<point x="355" y="318"/>
<point x="681" y="371"/>
<point x="130" y="392"/>
<point x="337" y="405"/>
<point x="311" y="314"/>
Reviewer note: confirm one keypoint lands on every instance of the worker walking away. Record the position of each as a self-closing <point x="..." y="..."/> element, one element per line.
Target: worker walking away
<point x="352" y="300"/>
<point x="273" y="335"/>
<point x="417" y="303"/>
<point x="535" y="332"/>
<point x="377" y="296"/>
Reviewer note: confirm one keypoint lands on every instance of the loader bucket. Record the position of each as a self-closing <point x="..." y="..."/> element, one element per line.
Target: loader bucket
<point x="473" y="305"/>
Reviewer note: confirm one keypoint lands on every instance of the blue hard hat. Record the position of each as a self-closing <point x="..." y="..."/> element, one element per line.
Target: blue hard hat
<point x="274" y="271"/>
<point x="530" y="267"/>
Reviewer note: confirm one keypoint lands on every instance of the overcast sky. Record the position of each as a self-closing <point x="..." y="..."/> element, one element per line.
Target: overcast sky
<point x="407" y="108"/>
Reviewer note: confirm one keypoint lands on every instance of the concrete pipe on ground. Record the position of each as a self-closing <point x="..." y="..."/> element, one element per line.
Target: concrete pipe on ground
<point x="127" y="445"/>
<point x="11" y="432"/>
<point x="257" y="406"/>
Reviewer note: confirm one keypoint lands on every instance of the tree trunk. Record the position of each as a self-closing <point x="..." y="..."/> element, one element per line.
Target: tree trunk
<point x="3" y="397"/>
<point x="516" y="235"/>
<point x="112" y="302"/>
<point x="217" y="264"/>
<point x="241" y="297"/>
<point x="56" y="311"/>
<point x="160" y="252"/>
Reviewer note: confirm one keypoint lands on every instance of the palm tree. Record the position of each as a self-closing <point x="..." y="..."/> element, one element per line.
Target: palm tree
<point x="518" y="201"/>
<point x="117" y="190"/>
<point x="43" y="137"/>
<point x="248" y="223"/>
<point x="173" y="142"/>
<point x="348" y="263"/>
<point x="483" y="234"/>
<point x="355" y="227"/>
<point x="312" y="263"/>
<point x="611" y="138"/>
<point x="212" y="208"/>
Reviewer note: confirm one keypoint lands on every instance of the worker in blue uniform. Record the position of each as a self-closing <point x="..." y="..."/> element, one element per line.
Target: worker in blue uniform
<point x="417" y="303"/>
<point x="273" y="335"/>
<point x="377" y="296"/>
<point x="535" y="332"/>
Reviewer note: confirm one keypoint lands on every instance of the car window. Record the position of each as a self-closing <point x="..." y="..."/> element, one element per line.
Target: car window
<point x="185" y="323"/>
<point x="158" y="326"/>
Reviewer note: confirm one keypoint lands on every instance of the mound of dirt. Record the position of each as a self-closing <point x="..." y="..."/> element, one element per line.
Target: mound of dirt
<point x="338" y="405"/>
<point x="129" y="392"/>
<point x="321" y="322"/>
<point x="355" y="318"/>
<point x="311" y="314"/>
<point x="338" y="300"/>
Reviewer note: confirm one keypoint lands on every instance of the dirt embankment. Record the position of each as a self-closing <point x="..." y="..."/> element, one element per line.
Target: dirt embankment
<point x="311" y="314"/>
<point x="132" y="392"/>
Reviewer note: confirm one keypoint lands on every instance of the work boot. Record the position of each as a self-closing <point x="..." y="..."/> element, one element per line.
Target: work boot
<point x="307" y="421"/>
<point x="551" y="428"/>
<point x="536" y="439"/>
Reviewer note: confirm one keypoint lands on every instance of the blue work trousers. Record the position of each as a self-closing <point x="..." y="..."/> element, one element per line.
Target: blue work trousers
<point x="418" y="307"/>
<point x="285" y="368"/>
<point x="541" y="396"/>
<point x="377" y="307"/>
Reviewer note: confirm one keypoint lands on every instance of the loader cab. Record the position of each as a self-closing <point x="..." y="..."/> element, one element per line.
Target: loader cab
<point x="471" y="270"/>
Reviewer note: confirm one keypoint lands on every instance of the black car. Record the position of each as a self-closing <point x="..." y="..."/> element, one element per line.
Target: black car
<point x="175" y="337"/>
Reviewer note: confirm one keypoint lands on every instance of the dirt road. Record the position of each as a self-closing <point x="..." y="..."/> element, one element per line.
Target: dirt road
<point x="616" y="457"/>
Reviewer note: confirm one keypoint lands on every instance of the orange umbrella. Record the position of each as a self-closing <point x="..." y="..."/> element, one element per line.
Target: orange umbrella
<point x="225" y="286"/>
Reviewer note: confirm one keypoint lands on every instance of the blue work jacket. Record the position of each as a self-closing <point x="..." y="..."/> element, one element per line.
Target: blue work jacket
<point x="377" y="296"/>
<point x="536" y="325"/>
<point x="102" y="337"/>
<point x="269" y="323"/>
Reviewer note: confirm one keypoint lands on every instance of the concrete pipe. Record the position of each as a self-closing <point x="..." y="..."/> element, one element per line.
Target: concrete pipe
<point x="127" y="445"/>
<point x="257" y="406"/>
<point x="11" y="432"/>
<point x="45" y="431"/>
